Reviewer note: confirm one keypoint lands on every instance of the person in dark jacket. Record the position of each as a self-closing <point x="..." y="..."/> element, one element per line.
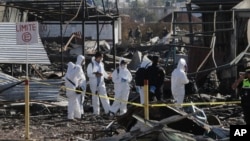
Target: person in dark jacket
<point x="243" y="84"/>
<point x="140" y="76"/>
<point x="149" y="34"/>
<point x="155" y="75"/>
<point x="164" y="32"/>
<point x="138" y="34"/>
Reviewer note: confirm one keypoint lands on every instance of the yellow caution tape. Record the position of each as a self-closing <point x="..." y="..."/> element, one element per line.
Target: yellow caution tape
<point x="196" y="103"/>
<point x="164" y="105"/>
<point x="154" y="105"/>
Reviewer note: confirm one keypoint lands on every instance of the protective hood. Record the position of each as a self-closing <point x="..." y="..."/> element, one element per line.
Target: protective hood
<point x="122" y="63"/>
<point x="69" y="69"/>
<point x="122" y="72"/>
<point x="78" y="72"/>
<point x="181" y="64"/>
<point x="93" y="59"/>
<point x="145" y="62"/>
<point x="70" y="66"/>
<point x="122" y="60"/>
<point x="79" y="59"/>
<point x="75" y="74"/>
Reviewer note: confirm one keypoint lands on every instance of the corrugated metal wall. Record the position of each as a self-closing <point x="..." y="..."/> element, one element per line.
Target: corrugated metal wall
<point x="12" y="53"/>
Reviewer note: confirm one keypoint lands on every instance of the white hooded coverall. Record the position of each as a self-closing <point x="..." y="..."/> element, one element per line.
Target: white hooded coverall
<point x="121" y="88"/>
<point x="82" y="81"/>
<point x="146" y="62"/>
<point x="178" y="81"/>
<point x="72" y="74"/>
<point x="97" y="86"/>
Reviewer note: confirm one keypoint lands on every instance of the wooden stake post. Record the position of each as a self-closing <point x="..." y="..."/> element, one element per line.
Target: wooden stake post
<point x="146" y="106"/>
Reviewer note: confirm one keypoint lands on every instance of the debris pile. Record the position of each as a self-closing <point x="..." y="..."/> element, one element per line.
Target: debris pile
<point x="48" y="117"/>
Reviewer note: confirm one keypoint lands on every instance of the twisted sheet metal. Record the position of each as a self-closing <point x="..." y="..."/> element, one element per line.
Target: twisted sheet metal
<point x="42" y="90"/>
<point x="7" y="81"/>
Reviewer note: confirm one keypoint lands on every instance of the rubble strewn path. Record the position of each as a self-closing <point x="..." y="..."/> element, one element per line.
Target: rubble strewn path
<point x="52" y="125"/>
<point x="48" y="122"/>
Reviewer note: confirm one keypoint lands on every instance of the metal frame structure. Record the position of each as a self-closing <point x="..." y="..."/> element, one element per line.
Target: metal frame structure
<point x="66" y="11"/>
<point x="52" y="10"/>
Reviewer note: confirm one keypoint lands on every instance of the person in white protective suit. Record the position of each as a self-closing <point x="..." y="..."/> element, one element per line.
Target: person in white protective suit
<point x="71" y="82"/>
<point x="96" y="74"/>
<point x="80" y="61"/>
<point x="140" y="76"/>
<point x="178" y="81"/>
<point x="121" y="78"/>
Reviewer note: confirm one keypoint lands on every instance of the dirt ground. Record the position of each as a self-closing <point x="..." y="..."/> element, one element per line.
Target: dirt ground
<point x="51" y="124"/>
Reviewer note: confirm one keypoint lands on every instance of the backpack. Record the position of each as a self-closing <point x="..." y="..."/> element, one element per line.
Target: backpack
<point x="139" y="76"/>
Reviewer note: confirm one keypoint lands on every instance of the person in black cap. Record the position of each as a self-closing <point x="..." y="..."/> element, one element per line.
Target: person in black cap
<point x="243" y="85"/>
<point x="96" y="73"/>
<point x="155" y="75"/>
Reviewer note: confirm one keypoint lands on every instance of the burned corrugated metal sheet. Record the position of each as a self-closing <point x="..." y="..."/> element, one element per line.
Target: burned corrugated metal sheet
<point x="16" y="54"/>
<point x="12" y="89"/>
<point x="7" y="81"/>
<point x="42" y="90"/>
<point x="215" y="4"/>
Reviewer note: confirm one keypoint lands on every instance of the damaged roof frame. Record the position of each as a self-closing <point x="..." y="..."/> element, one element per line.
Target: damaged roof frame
<point x="55" y="10"/>
<point x="66" y="11"/>
<point x="211" y="7"/>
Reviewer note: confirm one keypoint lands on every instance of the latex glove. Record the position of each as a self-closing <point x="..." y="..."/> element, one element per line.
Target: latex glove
<point x="123" y="80"/>
<point x="98" y="74"/>
<point x="137" y="89"/>
<point x="152" y="89"/>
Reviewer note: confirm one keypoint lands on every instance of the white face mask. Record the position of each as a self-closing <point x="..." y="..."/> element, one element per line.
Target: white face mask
<point x="123" y="66"/>
<point x="83" y="63"/>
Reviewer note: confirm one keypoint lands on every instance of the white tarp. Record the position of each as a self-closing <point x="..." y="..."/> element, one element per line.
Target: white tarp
<point x="245" y="4"/>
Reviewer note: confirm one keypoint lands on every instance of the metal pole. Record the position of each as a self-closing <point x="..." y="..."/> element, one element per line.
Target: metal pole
<point x="103" y="5"/>
<point x="97" y="32"/>
<point x="83" y="25"/>
<point x="61" y="20"/>
<point x="114" y="46"/>
<point x="189" y="8"/>
<point x="173" y="48"/>
<point x="235" y="41"/>
<point x="27" y="99"/>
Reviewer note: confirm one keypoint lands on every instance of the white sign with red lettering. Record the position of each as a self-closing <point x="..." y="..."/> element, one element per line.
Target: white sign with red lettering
<point x="26" y="33"/>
